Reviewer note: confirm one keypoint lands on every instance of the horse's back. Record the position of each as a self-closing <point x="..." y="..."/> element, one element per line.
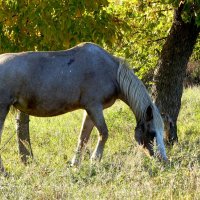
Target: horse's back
<point x="80" y="57"/>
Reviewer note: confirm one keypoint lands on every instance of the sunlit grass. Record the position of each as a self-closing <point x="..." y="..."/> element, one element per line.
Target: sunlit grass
<point x="125" y="172"/>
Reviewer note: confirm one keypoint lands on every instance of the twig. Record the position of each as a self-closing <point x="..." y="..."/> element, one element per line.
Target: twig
<point x="7" y="141"/>
<point x="164" y="38"/>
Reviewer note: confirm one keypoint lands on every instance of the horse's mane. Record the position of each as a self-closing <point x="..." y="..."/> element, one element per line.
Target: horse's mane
<point x="135" y="94"/>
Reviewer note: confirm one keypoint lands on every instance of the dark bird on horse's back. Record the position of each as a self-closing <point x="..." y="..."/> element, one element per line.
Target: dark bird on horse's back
<point x="85" y="77"/>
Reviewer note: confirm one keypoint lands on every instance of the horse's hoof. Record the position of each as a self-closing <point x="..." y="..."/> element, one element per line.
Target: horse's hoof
<point x="164" y="159"/>
<point x="75" y="163"/>
<point x="95" y="159"/>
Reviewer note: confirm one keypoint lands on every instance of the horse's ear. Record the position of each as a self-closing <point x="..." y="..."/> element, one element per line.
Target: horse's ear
<point x="149" y="114"/>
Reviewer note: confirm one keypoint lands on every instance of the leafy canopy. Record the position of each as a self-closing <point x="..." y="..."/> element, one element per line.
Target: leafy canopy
<point x="134" y="29"/>
<point x="58" y="24"/>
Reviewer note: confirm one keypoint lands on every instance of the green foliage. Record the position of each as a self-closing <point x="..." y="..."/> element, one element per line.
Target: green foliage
<point x="191" y="9"/>
<point x="150" y="23"/>
<point x="133" y="29"/>
<point x="52" y="25"/>
<point x="125" y="171"/>
<point x="196" y="52"/>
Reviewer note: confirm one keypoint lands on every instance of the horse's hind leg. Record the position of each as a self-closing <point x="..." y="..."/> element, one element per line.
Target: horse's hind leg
<point x="23" y="137"/>
<point x="96" y="114"/>
<point x="87" y="126"/>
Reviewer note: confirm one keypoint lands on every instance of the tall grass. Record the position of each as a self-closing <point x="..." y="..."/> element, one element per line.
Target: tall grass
<point x="125" y="171"/>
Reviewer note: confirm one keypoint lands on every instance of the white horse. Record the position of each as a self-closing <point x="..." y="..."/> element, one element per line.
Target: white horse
<point x="84" y="77"/>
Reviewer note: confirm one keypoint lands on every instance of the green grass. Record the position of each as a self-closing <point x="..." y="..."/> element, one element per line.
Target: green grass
<point x="125" y="172"/>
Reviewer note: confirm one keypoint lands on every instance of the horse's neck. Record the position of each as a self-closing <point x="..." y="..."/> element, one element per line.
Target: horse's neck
<point x="137" y="107"/>
<point x="133" y="91"/>
<point x="137" y="98"/>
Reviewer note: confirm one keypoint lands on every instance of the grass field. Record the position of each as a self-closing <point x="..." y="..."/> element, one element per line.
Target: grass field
<point x="125" y="172"/>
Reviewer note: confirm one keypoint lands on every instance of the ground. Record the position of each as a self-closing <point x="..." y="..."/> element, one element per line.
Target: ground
<point x="125" y="171"/>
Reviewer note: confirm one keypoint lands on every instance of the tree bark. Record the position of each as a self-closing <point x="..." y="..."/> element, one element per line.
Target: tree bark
<point x="171" y="68"/>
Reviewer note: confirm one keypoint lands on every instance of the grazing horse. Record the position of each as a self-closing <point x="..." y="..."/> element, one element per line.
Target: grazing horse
<point x="85" y="77"/>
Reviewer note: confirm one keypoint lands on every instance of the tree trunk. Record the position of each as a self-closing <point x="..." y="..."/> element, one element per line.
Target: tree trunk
<point x="171" y="68"/>
<point x="23" y="137"/>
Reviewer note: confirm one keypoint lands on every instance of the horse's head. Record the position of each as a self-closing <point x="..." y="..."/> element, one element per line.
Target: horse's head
<point x="150" y="127"/>
<point x="145" y="131"/>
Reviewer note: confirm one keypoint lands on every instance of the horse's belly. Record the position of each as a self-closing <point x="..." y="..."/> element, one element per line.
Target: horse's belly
<point x="45" y="108"/>
<point x="45" y="112"/>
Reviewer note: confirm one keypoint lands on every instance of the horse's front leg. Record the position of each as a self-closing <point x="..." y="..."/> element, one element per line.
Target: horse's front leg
<point x="23" y="137"/>
<point x="4" y="108"/>
<point x="96" y="114"/>
<point x="87" y="126"/>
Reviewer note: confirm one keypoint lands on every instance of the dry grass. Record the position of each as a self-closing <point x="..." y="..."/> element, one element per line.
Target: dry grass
<point x="125" y="171"/>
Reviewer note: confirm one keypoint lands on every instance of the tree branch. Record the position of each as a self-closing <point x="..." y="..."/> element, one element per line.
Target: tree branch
<point x="178" y="11"/>
<point x="159" y="39"/>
